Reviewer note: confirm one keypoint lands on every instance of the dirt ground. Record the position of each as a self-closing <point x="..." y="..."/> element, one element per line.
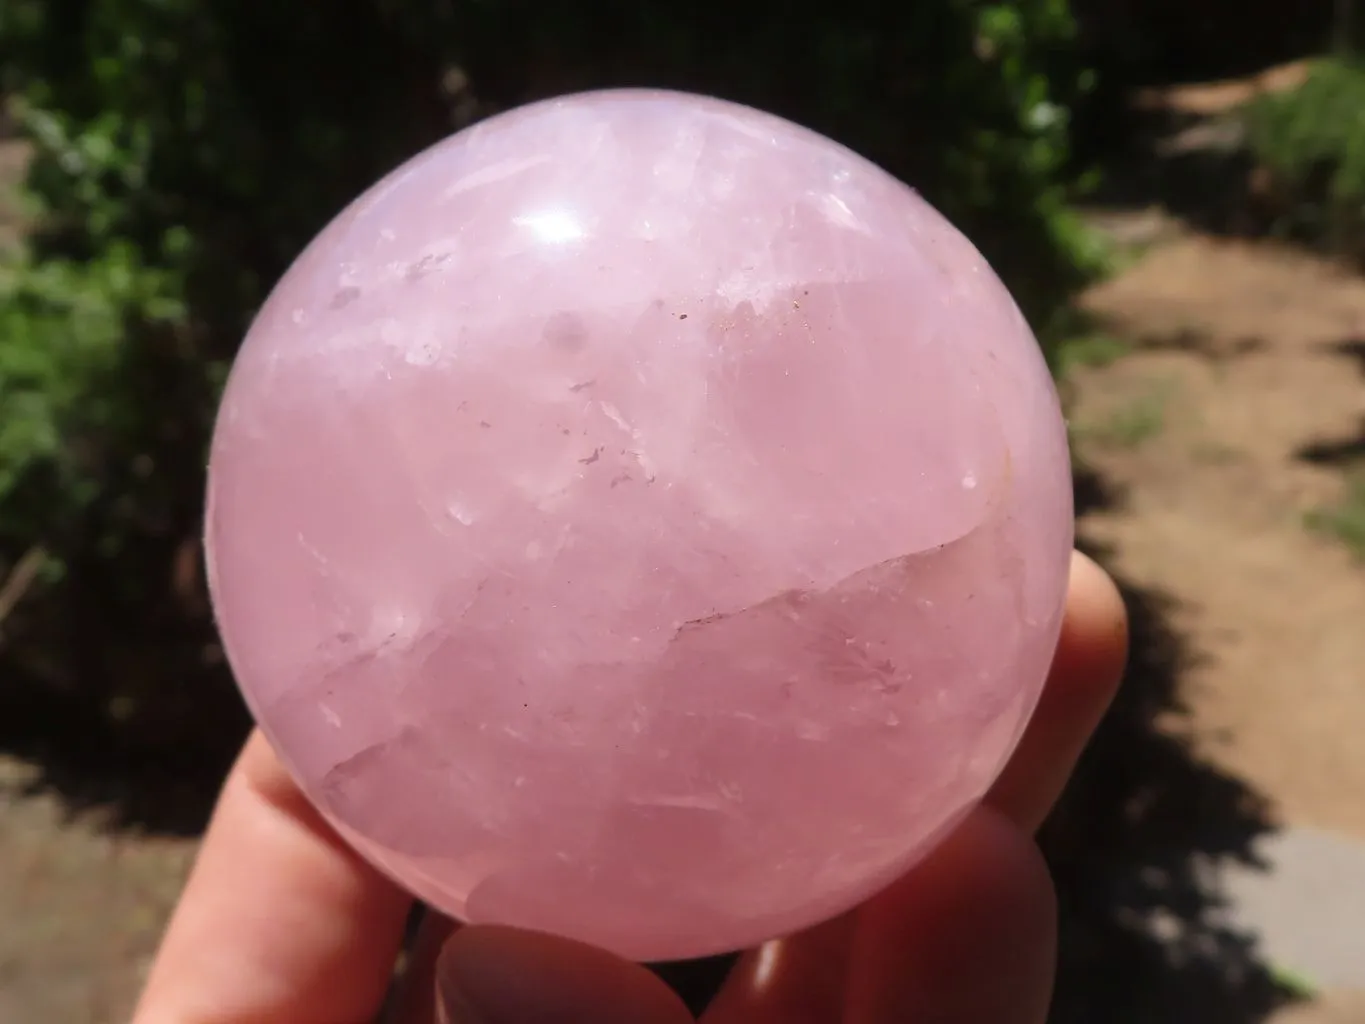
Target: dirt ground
<point x="1246" y="364"/>
<point x="1239" y="378"/>
<point x="81" y="908"/>
<point x="1229" y="420"/>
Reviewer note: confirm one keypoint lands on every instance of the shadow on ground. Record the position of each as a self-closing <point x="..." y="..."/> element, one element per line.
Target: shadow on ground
<point x="1196" y="169"/>
<point x="1134" y="849"/>
<point x="136" y="722"/>
<point x="1133" y="844"/>
<point x="1348" y="451"/>
<point x="1190" y="159"/>
<point x="1194" y="342"/>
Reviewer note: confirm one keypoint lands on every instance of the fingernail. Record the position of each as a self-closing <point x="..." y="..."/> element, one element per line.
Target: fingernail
<point x="491" y="975"/>
<point x="453" y="1008"/>
<point x="453" y="1004"/>
<point x="481" y="979"/>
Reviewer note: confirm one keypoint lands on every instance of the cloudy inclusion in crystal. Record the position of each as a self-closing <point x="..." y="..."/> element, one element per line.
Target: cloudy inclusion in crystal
<point x="642" y="519"/>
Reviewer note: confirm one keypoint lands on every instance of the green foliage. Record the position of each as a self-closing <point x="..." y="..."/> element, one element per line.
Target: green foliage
<point x="1297" y="984"/>
<point x="1312" y="140"/>
<point x="1095" y="348"/>
<point x="185" y="150"/>
<point x="60" y="366"/>
<point x="182" y="152"/>
<point x="1346" y="519"/>
<point x="1141" y="419"/>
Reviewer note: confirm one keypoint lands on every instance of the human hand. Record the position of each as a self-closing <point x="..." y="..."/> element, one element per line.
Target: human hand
<point x="281" y="923"/>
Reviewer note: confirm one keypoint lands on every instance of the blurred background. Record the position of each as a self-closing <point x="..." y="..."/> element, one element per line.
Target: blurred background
<point x="1175" y="191"/>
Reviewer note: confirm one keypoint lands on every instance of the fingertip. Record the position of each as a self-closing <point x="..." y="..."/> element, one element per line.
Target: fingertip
<point x="968" y="937"/>
<point x="280" y="920"/>
<point x="1094" y="634"/>
<point x="489" y="974"/>
<point x="1091" y="653"/>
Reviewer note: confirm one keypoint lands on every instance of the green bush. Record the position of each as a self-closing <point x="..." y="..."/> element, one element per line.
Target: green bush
<point x="185" y="150"/>
<point x="1312" y="141"/>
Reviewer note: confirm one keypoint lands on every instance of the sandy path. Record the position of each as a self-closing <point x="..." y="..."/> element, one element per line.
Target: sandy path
<point x="1245" y="361"/>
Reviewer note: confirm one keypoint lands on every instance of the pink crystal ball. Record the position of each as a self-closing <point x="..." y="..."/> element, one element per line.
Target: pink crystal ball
<point x="640" y="518"/>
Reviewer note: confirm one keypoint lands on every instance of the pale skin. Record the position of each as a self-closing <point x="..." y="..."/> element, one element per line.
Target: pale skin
<point x="280" y="923"/>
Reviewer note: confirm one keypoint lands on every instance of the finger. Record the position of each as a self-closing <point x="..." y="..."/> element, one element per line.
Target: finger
<point x="796" y="980"/>
<point x="1089" y="662"/>
<point x="801" y="978"/>
<point x="494" y="975"/>
<point x="280" y="923"/>
<point x="968" y="937"/>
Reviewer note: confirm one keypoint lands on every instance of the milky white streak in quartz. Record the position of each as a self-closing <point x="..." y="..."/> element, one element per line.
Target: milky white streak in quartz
<point x="642" y="519"/>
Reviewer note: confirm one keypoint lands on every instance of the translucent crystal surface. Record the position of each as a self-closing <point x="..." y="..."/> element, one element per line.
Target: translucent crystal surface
<point x="640" y="518"/>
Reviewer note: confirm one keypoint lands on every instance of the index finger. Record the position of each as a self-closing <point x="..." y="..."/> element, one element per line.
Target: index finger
<point x="280" y="922"/>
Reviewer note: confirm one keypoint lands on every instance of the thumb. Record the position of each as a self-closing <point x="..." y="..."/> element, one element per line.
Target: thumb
<point x="493" y="975"/>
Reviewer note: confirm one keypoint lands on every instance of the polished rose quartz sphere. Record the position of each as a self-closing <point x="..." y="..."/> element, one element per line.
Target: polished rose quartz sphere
<point x="642" y="519"/>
